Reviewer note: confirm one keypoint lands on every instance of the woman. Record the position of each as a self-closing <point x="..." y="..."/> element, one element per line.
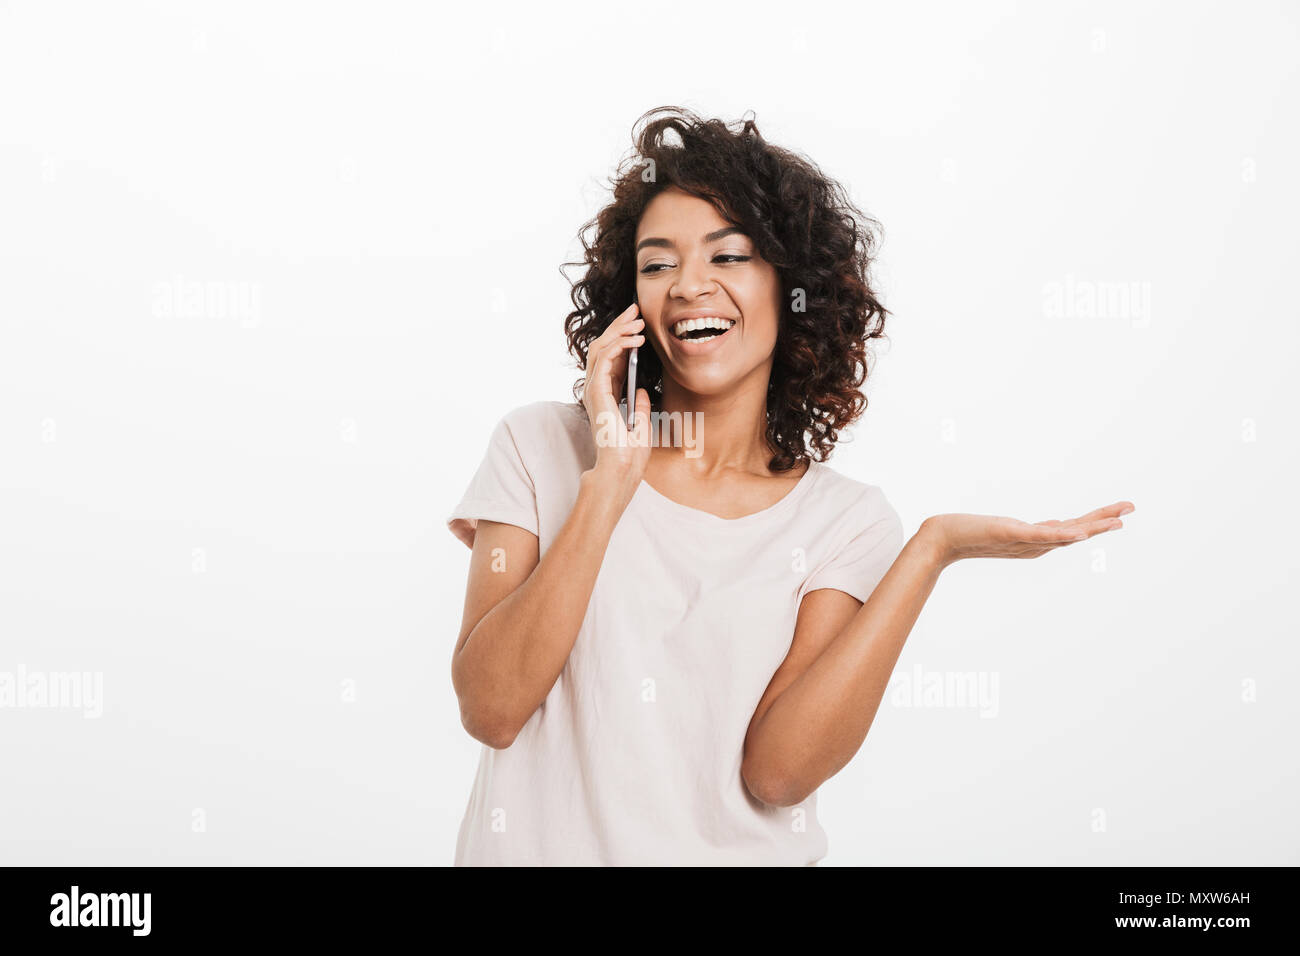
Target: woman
<point x="673" y="635"/>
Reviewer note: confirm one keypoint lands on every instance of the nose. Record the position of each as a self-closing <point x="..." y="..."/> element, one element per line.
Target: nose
<point x="694" y="279"/>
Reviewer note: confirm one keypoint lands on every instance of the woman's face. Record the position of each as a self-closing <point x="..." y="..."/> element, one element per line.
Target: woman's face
<point x="693" y="265"/>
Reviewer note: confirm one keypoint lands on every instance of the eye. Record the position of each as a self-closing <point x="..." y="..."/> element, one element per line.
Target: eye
<point x="722" y="257"/>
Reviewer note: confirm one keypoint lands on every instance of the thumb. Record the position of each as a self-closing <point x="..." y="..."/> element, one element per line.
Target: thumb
<point x="642" y="412"/>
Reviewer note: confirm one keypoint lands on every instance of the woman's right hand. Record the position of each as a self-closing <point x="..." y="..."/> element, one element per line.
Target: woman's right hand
<point x="621" y="453"/>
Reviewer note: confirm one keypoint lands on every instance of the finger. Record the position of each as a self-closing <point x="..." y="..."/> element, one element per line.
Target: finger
<point x="598" y="390"/>
<point x="619" y="343"/>
<point x="1089" y="531"/>
<point x="618" y="362"/>
<point x="1100" y="527"/>
<point x="1082" y="531"/>
<point x="1110" y="511"/>
<point x="620" y="328"/>
<point x="611" y="350"/>
<point x="1053" y="533"/>
<point x="1050" y="535"/>
<point x="627" y="320"/>
<point x="628" y="316"/>
<point x="608" y="370"/>
<point x="615" y="333"/>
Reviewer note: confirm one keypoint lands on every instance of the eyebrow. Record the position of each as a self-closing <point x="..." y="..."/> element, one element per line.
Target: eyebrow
<point x="667" y="243"/>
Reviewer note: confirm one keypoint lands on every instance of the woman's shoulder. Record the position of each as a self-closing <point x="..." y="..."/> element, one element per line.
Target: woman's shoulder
<point x="543" y="430"/>
<point x="859" y="501"/>
<point x="568" y="416"/>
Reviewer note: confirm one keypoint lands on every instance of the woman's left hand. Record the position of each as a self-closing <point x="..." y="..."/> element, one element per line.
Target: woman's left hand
<point x="957" y="536"/>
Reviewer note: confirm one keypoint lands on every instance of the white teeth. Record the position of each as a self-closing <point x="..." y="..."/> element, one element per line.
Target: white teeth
<point x="708" y="322"/>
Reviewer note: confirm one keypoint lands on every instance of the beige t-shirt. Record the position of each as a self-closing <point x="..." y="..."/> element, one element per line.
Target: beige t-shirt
<point x="634" y="757"/>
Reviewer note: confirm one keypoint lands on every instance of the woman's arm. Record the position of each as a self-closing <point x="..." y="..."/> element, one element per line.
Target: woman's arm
<point x="522" y="615"/>
<point x="821" y="702"/>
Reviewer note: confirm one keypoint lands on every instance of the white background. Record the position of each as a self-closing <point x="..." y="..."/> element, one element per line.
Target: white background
<point x="235" y="516"/>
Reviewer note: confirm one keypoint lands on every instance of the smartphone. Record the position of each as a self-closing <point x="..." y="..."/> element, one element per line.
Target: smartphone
<point x="631" y="389"/>
<point x="631" y="382"/>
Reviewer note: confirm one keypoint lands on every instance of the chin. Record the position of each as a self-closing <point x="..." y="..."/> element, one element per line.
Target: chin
<point x="710" y="385"/>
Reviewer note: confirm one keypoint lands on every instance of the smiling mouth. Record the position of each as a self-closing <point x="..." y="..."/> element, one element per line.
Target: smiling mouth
<point x="691" y="329"/>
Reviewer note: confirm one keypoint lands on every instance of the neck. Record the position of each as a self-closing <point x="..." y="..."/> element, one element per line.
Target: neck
<point x="731" y="432"/>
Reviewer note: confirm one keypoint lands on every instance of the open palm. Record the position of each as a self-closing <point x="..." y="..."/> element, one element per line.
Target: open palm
<point x="986" y="536"/>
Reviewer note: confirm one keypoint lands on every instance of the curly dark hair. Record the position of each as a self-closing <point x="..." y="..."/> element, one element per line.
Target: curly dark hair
<point x="800" y="220"/>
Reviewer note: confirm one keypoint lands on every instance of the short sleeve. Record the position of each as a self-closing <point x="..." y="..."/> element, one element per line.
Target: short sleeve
<point x="502" y="488"/>
<point x="862" y="561"/>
